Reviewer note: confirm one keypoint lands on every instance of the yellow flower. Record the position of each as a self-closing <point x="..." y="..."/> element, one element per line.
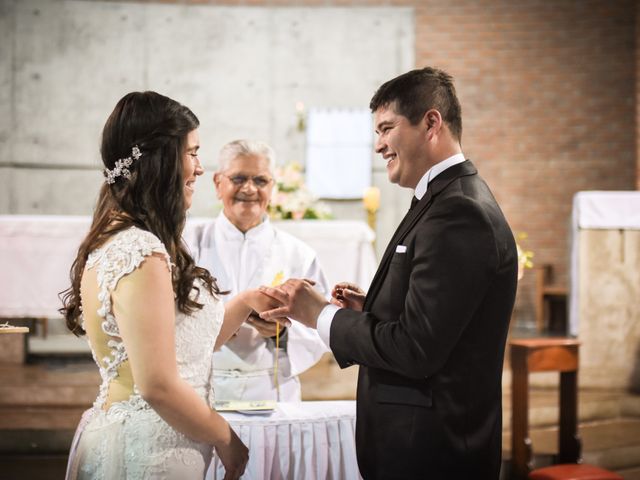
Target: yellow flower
<point x="525" y="257"/>
<point x="278" y="279"/>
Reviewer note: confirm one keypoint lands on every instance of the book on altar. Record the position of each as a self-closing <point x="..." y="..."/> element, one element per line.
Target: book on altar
<point x="245" y="405"/>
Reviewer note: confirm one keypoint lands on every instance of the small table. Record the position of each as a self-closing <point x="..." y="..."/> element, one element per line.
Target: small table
<point x="14" y="329"/>
<point x="12" y="349"/>
<point x="543" y="355"/>
<point x="298" y="440"/>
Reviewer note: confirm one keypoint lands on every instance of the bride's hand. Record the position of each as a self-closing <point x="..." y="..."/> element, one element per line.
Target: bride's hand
<point x="239" y="308"/>
<point x="234" y="456"/>
<point x="259" y="302"/>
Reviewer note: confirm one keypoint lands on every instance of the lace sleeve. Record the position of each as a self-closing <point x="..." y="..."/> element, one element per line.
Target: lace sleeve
<point x="118" y="258"/>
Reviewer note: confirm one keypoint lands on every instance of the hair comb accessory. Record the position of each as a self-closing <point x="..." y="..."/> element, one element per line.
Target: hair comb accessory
<point x="122" y="165"/>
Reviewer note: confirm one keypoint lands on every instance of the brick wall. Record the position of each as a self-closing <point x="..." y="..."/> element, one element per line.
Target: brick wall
<point x="637" y="47"/>
<point x="549" y="98"/>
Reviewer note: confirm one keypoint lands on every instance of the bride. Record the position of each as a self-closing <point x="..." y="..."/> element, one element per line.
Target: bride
<point x="151" y="316"/>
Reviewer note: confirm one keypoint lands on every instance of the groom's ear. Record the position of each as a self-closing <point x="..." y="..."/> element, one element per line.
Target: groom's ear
<point x="432" y="119"/>
<point x="432" y="122"/>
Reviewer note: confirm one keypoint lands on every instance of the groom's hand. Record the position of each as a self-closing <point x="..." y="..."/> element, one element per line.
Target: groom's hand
<point x="348" y="295"/>
<point x="300" y="301"/>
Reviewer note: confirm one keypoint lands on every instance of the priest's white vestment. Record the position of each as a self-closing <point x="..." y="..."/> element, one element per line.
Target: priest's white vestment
<point x="244" y="366"/>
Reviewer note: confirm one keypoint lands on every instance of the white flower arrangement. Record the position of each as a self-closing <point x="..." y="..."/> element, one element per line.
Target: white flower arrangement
<point x="291" y="199"/>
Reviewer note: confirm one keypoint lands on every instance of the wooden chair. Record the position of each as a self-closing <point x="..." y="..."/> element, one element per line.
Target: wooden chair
<point x="548" y="355"/>
<point x="44" y="324"/>
<point x="550" y="300"/>
<point x="543" y="355"/>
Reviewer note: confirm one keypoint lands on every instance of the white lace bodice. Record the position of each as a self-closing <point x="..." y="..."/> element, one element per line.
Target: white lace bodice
<point x="195" y="334"/>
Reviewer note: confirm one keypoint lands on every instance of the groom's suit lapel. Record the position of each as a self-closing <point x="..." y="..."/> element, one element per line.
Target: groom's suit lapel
<point x="436" y="186"/>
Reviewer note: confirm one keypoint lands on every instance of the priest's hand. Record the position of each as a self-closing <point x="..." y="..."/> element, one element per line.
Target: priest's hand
<point x="348" y="295"/>
<point x="265" y="328"/>
<point x="300" y="301"/>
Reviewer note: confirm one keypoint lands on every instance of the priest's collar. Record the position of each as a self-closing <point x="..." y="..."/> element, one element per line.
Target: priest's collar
<point x="231" y="232"/>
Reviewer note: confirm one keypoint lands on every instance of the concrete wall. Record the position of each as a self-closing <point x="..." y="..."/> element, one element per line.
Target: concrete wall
<point x="64" y="65"/>
<point x="548" y="90"/>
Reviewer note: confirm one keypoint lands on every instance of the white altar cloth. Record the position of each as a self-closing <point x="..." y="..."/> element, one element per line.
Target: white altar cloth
<point x="297" y="441"/>
<point x="36" y="253"/>
<point x="601" y="210"/>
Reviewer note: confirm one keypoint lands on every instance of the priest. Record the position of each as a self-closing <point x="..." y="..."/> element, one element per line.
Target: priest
<point x="243" y="250"/>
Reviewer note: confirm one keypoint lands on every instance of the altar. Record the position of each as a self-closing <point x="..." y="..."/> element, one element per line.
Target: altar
<point x="297" y="441"/>
<point x="36" y="253"/>
<point x="604" y="312"/>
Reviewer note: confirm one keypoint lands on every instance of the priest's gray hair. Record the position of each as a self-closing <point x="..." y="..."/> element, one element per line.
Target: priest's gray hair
<point x="246" y="148"/>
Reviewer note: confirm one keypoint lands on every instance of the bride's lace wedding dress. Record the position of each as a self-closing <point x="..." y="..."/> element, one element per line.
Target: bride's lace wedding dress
<point x="122" y="437"/>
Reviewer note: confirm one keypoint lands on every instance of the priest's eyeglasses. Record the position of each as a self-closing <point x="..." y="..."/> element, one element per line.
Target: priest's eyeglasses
<point x="259" y="181"/>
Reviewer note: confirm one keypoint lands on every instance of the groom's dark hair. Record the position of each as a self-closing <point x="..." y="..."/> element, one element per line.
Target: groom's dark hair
<point x="413" y="93"/>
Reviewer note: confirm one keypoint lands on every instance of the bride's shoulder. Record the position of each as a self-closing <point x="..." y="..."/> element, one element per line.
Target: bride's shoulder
<point x="128" y="248"/>
<point x="139" y="239"/>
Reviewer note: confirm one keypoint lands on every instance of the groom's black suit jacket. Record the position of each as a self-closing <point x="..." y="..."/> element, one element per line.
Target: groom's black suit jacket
<point x="430" y="341"/>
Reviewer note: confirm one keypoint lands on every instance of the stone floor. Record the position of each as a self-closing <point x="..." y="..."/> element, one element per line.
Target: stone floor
<point x="41" y="403"/>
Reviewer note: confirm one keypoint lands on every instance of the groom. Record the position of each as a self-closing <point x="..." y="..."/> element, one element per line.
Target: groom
<point x="430" y="334"/>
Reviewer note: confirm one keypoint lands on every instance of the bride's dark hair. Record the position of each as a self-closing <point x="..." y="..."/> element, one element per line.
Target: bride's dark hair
<point x="151" y="199"/>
